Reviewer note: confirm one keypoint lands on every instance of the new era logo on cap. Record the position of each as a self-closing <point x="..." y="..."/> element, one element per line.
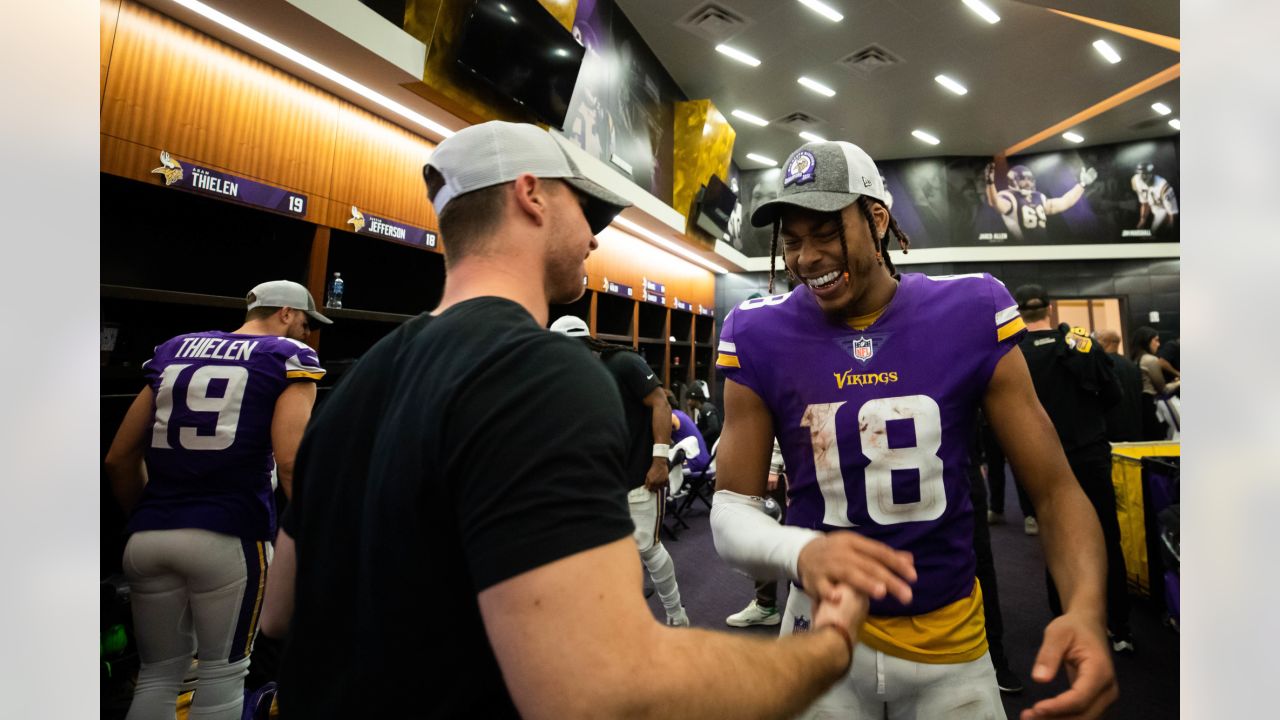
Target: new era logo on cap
<point x="825" y="177"/>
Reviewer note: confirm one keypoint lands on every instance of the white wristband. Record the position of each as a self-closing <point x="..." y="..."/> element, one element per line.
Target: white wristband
<point x="751" y="541"/>
<point x="662" y="451"/>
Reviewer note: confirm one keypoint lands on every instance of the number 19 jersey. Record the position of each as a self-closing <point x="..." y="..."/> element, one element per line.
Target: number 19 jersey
<point x="875" y="424"/>
<point x="209" y="457"/>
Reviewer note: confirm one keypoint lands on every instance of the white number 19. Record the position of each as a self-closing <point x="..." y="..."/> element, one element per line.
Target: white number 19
<point x="197" y="399"/>
<point x="873" y="419"/>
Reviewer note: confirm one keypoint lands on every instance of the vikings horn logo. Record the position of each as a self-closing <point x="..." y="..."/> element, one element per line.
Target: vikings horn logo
<point x="171" y="169"/>
<point x="862" y="349"/>
<point x="357" y="219"/>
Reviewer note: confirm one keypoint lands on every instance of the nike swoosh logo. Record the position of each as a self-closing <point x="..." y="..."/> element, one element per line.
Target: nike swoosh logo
<point x="650" y="377"/>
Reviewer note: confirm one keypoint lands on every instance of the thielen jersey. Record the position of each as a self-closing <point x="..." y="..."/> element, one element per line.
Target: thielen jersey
<point x="875" y="425"/>
<point x="209" y="458"/>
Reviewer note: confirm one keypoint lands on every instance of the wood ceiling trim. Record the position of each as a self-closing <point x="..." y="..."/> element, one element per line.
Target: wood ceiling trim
<point x="1164" y="41"/>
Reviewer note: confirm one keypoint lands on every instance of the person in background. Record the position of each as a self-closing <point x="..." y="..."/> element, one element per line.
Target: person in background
<point x="992" y="456"/>
<point x="463" y="491"/>
<point x="1124" y="420"/>
<point x="1142" y="350"/>
<point x="763" y="609"/>
<point x="219" y="410"/>
<point x="683" y="427"/>
<point x="1076" y="384"/>
<point x="705" y="414"/>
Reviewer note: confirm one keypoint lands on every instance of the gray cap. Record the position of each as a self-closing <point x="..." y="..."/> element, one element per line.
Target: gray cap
<point x="497" y="152"/>
<point x="826" y="177"/>
<point x="285" y="293"/>
<point x="571" y="325"/>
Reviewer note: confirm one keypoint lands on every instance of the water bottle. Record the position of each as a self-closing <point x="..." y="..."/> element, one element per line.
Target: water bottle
<point x="334" y="299"/>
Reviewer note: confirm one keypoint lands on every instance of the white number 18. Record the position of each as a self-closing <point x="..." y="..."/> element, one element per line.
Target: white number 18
<point x="873" y="420"/>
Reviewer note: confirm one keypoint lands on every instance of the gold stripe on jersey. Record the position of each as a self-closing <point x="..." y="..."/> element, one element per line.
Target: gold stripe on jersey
<point x="954" y="633"/>
<point x="1006" y="331"/>
<point x="295" y="374"/>
<point x="724" y="360"/>
<point x="862" y="322"/>
<point x="257" y="603"/>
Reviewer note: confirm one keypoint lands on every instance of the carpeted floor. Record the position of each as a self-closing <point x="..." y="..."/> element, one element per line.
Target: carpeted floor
<point x="1148" y="678"/>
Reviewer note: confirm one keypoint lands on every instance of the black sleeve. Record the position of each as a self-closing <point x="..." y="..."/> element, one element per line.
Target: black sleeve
<point x="1109" y="390"/>
<point x="712" y="420"/>
<point x="535" y="460"/>
<point x="634" y="375"/>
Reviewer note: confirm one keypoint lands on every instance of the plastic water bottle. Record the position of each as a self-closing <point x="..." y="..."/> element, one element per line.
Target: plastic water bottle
<point x="334" y="299"/>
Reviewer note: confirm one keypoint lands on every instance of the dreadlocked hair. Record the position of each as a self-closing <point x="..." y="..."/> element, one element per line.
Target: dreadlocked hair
<point x="882" y="242"/>
<point x="605" y="349"/>
<point x="773" y="250"/>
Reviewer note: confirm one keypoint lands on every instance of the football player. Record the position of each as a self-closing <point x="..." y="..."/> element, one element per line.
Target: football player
<point x="1024" y="209"/>
<point x="871" y="381"/>
<point x="219" y="411"/>
<point x="1158" y="205"/>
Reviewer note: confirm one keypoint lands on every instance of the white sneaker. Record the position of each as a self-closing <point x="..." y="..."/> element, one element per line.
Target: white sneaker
<point x="680" y="619"/>
<point x="1030" y="526"/>
<point x="753" y="614"/>
<point x="995" y="518"/>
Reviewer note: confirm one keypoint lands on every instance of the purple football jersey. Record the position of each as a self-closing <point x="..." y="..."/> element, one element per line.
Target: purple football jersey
<point x="690" y="429"/>
<point x="209" y="458"/>
<point x="1027" y="218"/>
<point x="875" y="424"/>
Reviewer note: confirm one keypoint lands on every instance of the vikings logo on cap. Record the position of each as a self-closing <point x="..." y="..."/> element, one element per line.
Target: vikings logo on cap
<point x="800" y="170"/>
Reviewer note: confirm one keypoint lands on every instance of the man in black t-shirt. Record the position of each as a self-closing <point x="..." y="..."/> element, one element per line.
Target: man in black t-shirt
<point x="460" y="501"/>
<point x="1124" y="420"/>
<point x="1076" y="384"/>
<point x="648" y="414"/>
<point x="705" y="415"/>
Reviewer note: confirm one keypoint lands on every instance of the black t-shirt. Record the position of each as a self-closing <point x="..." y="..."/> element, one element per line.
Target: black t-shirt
<point x="635" y="380"/>
<point x="1124" y="421"/>
<point x="460" y="451"/>
<point x="1075" y="383"/>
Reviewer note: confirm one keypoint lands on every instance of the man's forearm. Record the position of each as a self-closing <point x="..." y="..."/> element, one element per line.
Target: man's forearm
<point x="1073" y="548"/>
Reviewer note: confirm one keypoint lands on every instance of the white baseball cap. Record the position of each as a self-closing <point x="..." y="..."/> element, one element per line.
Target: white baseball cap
<point x="497" y="152"/>
<point x="285" y="293"/>
<point x="571" y="325"/>
<point x="823" y="176"/>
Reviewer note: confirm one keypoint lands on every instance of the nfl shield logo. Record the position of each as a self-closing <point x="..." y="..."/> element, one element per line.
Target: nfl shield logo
<point x="862" y="349"/>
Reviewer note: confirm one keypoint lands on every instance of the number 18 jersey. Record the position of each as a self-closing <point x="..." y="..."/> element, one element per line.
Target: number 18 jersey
<point x="875" y="424"/>
<point x="209" y="458"/>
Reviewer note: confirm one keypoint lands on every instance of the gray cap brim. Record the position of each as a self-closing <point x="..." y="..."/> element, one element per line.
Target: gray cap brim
<point x="318" y="317"/>
<point x="767" y="212"/>
<point x="602" y="206"/>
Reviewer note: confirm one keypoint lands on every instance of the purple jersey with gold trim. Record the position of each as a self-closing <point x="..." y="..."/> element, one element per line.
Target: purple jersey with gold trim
<point x="209" y="458"/>
<point x="875" y="424"/>
<point x="687" y="428"/>
<point x="1027" y="217"/>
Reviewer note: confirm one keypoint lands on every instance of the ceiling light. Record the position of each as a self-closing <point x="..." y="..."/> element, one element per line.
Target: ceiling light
<point x="1162" y="108"/>
<point x="983" y="11"/>
<point x="823" y="9"/>
<point x="753" y="119"/>
<point x="951" y="85"/>
<point x="1106" y="51"/>
<point x="323" y="70"/>
<point x="762" y="159"/>
<point x="738" y="55"/>
<point x="1073" y="137"/>
<point x="811" y="137"/>
<point x="1176" y="124"/>
<point x="922" y="135"/>
<point x="674" y="247"/>
<point x="816" y="86"/>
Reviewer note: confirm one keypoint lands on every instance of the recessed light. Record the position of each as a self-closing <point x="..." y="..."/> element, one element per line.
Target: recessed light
<point x="1073" y="137"/>
<point x="753" y="119"/>
<point x="674" y="247"/>
<point x="1106" y="51"/>
<point x="983" y="11"/>
<point x="738" y="55"/>
<point x="823" y="9"/>
<point x="922" y="135"/>
<point x="951" y="85"/>
<point x="1176" y="124"/>
<point x="1162" y="108"/>
<point x="811" y="137"/>
<point x="816" y="86"/>
<point x="762" y="159"/>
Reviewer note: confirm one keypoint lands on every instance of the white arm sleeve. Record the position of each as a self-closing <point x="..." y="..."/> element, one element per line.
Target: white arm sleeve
<point x="751" y="541"/>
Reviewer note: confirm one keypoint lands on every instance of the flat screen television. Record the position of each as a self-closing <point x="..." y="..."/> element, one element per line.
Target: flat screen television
<point x="714" y="206"/>
<point x="523" y="52"/>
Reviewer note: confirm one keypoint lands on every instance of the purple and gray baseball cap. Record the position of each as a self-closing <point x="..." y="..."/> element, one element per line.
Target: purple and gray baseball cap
<point x="496" y="152"/>
<point x="823" y="176"/>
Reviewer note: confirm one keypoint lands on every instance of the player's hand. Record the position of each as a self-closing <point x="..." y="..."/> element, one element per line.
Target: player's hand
<point x="1078" y="646"/>
<point x="868" y="566"/>
<point x="659" y="475"/>
<point x="842" y="606"/>
<point x="989" y="173"/>
<point x="1087" y="176"/>
<point x="772" y="483"/>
